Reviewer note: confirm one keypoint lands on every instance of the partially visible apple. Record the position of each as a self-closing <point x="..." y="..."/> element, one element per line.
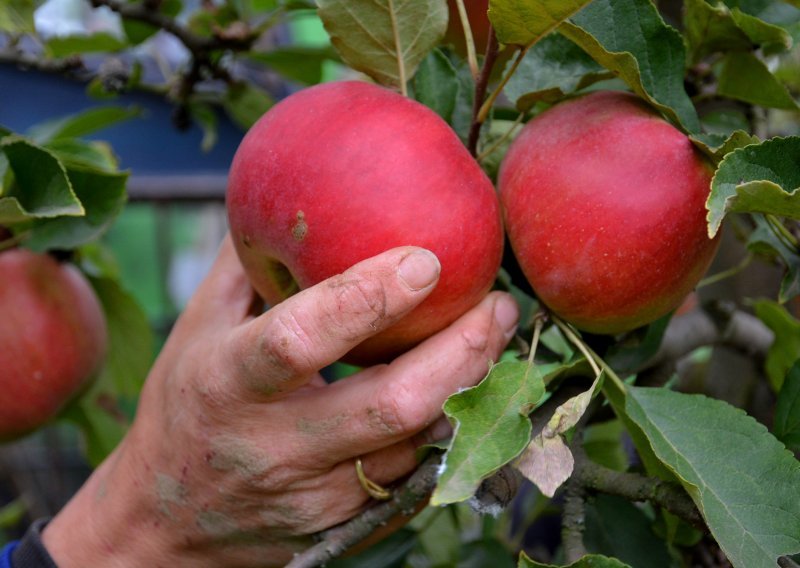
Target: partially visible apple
<point x="604" y="204"/>
<point x="52" y="339"/>
<point x="340" y="172"/>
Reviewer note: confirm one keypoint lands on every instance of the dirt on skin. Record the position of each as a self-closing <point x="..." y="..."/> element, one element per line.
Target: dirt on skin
<point x="217" y="524"/>
<point x="170" y="491"/>
<point x="233" y="454"/>
<point x="317" y="427"/>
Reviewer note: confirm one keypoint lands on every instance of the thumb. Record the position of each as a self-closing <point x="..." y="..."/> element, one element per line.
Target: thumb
<point x="225" y="298"/>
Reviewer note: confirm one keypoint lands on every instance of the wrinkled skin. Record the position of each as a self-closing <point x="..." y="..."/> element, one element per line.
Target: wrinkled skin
<point x="240" y="451"/>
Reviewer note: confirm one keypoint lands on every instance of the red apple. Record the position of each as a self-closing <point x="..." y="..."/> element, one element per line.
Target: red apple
<point x="53" y="337"/>
<point x="340" y="172"/>
<point x="604" y="204"/>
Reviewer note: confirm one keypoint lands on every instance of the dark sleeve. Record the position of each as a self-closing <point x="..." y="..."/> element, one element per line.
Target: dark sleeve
<point x="31" y="553"/>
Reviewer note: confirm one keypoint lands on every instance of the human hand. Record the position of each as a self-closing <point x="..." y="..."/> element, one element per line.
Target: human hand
<point x="240" y="450"/>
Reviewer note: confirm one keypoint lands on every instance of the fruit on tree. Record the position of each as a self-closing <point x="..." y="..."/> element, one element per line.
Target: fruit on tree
<point x="604" y="204"/>
<point x="53" y="339"/>
<point x="340" y="172"/>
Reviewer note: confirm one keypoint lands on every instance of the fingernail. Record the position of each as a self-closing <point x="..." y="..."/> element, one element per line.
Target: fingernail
<point x="506" y="313"/>
<point x="419" y="269"/>
<point x="440" y="430"/>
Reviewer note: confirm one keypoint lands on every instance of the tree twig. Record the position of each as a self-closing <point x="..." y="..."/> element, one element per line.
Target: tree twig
<point x="727" y="326"/>
<point x="71" y="65"/>
<point x="573" y="521"/>
<point x="635" y="487"/>
<point x="338" y="539"/>
<point x="201" y="48"/>
<point x="492" y="49"/>
<point x="193" y="42"/>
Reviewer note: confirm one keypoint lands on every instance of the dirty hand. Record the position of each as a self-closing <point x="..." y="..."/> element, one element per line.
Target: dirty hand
<point x="240" y="450"/>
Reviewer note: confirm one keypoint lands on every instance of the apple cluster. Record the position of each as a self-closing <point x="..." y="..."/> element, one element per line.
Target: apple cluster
<point x="602" y="202"/>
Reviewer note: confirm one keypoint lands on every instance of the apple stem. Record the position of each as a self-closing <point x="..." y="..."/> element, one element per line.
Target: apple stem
<point x="782" y="232"/>
<point x="593" y="358"/>
<point x="497" y="143"/>
<point x="12" y="242"/>
<point x="401" y="65"/>
<point x="481" y="85"/>
<point x="483" y="113"/>
<point x="579" y="343"/>
<point x="538" y="323"/>
<point x="714" y="278"/>
<point x="472" y="58"/>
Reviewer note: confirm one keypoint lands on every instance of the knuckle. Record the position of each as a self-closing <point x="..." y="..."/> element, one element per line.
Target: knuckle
<point x="359" y="300"/>
<point x="398" y="411"/>
<point x="475" y="340"/>
<point x="289" y="344"/>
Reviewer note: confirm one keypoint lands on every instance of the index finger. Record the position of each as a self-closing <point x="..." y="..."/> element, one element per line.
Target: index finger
<point x="283" y="348"/>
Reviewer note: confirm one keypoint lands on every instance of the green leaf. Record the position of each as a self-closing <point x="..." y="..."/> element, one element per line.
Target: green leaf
<point x="746" y="78"/>
<point x="42" y="189"/>
<point x="602" y="442"/>
<point x="491" y="427"/>
<point x="137" y="31"/>
<point x="206" y="119"/>
<point x="777" y="13"/>
<point x="629" y="38"/>
<point x="554" y="68"/>
<point x="101" y="424"/>
<point x="787" y="410"/>
<point x="462" y="113"/>
<point x="303" y="64"/>
<point x="88" y="154"/>
<point x="771" y="37"/>
<point x="588" y="561"/>
<point x="100" y="42"/>
<point x="762" y="178"/>
<point x="83" y="123"/>
<point x="436" y="84"/>
<point x="12" y="513"/>
<point x="652" y="465"/>
<point x="16" y="16"/>
<point x="638" y="347"/>
<point x="784" y="350"/>
<point x="764" y="241"/>
<point x="725" y="121"/>
<point x="618" y="528"/>
<point x="102" y="195"/>
<point x="547" y="461"/>
<point x="439" y="535"/>
<point x="717" y="28"/>
<point x="523" y="23"/>
<point x="386" y="39"/>
<point x="101" y="413"/>
<point x="743" y="480"/>
<point x="717" y="146"/>
<point x="245" y="103"/>
<point x="486" y="552"/>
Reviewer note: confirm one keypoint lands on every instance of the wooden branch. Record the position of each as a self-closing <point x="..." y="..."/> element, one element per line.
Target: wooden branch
<point x="635" y="487"/>
<point x="195" y="43"/>
<point x="573" y="521"/>
<point x="337" y="540"/>
<point x="727" y="326"/>
<point x="481" y="85"/>
<point x="72" y="65"/>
